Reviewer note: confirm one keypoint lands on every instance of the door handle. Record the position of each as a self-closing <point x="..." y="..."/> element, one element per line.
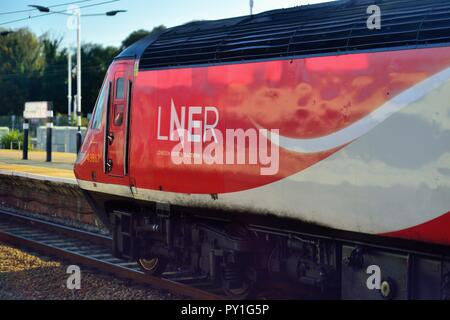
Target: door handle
<point x="110" y="138"/>
<point x="109" y="165"/>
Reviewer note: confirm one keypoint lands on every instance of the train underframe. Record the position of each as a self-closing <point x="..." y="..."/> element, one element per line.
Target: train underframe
<point x="240" y="252"/>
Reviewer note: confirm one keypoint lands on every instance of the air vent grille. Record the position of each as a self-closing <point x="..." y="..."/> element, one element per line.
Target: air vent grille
<point x="333" y="27"/>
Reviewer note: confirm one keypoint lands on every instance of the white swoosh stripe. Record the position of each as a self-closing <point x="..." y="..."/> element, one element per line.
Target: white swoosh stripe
<point x="364" y="125"/>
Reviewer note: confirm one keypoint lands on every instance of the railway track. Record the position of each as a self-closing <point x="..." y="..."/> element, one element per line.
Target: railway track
<point x="94" y="250"/>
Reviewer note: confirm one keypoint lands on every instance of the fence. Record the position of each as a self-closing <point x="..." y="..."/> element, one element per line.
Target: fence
<point x="11" y="122"/>
<point x="64" y="139"/>
<point x="15" y="122"/>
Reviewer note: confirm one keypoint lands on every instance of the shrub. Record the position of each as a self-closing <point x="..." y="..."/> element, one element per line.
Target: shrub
<point x="13" y="136"/>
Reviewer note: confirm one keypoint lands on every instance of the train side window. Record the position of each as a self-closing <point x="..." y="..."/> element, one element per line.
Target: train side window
<point x="120" y="88"/>
<point x="118" y="115"/>
<point x="97" y="118"/>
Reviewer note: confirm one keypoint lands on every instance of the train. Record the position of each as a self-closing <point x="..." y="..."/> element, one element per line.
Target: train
<point x="309" y="145"/>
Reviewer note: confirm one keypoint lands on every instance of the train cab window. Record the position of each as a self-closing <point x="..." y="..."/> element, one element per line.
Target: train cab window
<point x="97" y="118"/>
<point x="120" y="94"/>
<point x="118" y="115"/>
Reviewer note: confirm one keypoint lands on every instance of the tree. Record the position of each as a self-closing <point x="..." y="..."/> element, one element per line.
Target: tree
<point x="139" y="34"/>
<point x="21" y="65"/>
<point x="53" y="81"/>
<point x="96" y="60"/>
<point x="35" y="69"/>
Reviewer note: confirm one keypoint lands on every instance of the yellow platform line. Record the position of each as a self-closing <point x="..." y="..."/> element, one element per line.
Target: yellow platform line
<point x="43" y="171"/>
<point x="38" y="156"/>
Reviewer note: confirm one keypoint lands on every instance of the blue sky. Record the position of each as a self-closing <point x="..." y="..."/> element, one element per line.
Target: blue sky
<point x="141" y="14"/>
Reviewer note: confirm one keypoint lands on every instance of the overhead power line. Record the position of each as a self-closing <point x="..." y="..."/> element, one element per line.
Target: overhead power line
<point x="55" y="12"/>
<point x="53" y="6"/>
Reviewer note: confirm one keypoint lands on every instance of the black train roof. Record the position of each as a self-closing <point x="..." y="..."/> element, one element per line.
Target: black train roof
<point x="324" y="28"/>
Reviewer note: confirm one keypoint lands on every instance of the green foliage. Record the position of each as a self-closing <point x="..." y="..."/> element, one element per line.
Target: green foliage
<point x="134" y="36"/>
<point x="35" y="69"/>
<point x="139" y="34"/>
<point x="84" y="122"/>
<point x="13" y="136"/>
<point x="95" y="62"/>
<point x="53" y="81"/>
<point x="21" y="65"/>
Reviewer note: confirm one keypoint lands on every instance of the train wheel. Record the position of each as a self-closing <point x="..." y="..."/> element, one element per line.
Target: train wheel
<point x="238" y="291"/>
<point x="236" y="285"/>
<point x="153" y="266"/>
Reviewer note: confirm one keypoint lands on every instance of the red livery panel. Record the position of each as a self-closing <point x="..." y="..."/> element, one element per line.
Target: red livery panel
<point x="302" y="98"/>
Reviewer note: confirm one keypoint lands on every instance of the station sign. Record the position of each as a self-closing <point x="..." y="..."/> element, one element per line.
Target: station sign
<point x="37" y="110"/>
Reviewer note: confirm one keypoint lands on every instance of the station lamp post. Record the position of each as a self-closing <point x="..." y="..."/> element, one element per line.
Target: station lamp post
<point x="78" y="16"/>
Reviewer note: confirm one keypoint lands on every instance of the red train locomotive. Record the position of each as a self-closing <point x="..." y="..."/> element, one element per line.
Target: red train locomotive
<point x="295" y="144"/>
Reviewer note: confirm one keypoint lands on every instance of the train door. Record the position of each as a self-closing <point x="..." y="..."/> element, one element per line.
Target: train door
<point x="116" y="135"/>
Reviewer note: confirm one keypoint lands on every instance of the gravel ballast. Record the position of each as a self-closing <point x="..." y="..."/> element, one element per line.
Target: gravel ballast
<point x="31" y="276"/>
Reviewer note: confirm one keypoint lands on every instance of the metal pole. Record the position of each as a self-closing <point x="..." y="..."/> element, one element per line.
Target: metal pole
<point x="79" y="80"/>
<point x="26" y="126"/>
<point x="74" y="108"/>
<point x="251" y="7"/>
<point x="49" y="131"/>
<point x="69" y="87"/>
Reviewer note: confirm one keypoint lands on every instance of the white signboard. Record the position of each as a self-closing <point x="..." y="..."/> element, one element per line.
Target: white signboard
<point x="36" y="110"/>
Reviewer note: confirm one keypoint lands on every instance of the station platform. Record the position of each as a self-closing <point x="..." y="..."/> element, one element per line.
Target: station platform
<point x="48" y="189"/>
<point x="61" y="167"/>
